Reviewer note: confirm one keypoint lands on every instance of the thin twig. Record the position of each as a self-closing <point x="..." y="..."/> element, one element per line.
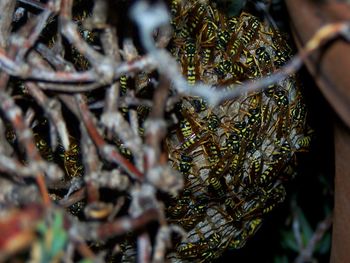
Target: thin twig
<point x="109" y="152"/>
<point x="305" y="255"/>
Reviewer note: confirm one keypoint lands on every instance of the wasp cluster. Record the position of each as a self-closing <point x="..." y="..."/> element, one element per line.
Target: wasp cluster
<point x="234" y="157"/>
<point x="69" y="159"/>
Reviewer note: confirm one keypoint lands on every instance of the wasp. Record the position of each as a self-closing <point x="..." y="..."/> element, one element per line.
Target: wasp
<point x="281" y="98"/>
<point x="216" y="186"/>
<point x="280" y="58"/>
<point x="184" y="33"/>
<point x="250" y="60"/>
<point x="267" y="175"/>
<point x="180" y="208"/>
<point x="284" y="149"/>
<point x="123" y="80"/>
<point x="221" y="167"/>
<point x="189" y="250"/>
<point x="272" y="198"/>
<point x="274" y="168"/>
<point x="186" y="128"/>
<point x="213" y="245"/>
<point x="254" y="116"/>
<point x="225" y="67"/>
<point x="194" y="140"/>
<point x="232" y="203"/>
<point x="233" y="143"/>
<point x="264" y="60"/>
<point x="270" y="91"/>
<point x="207" y="37"/>
<point x="213" y="14"/>
<point x="236" y="162"/>
<point x="233" y="22"/>
<point x="255" y="170"/>
<point x="238" y="241"/>
<point x="72" y="160"/>
<point x="238" y="70"/>
<point x="208" y="33"/>
<point x="191" y="137"/>
<point x="263" y="56"/>
<point x="253" y="226"/>
<point x="251" y="31"/>
<point x="190" y="51"/>
<point x="191" y="132"/>
<point x="206" y="55"/>
<point x="242" y="129"/>
<point x="174" y="7"/>
<point x="43" y="147"/>
<point x="190" y="63"/>
<point x="199" y="105"/>
<point x="189" y="221"/>
<point x="279" y="44"/>
<point x="223" y="39"/>
<point x="213" y="152"/>
<point x="204" y="247"/>
<point x="213" y="122"/>
<point x="189" y="142"/>
<point x="124" y="150"/>
<point x="185" y="163"/>
<point x="196" y="15"/>
<point x="298" y="112"/>
<point x="195" y="213"/>
<point x="199" y="205"/>
<point x="235" y="49"/>
<point x="304" y="142"/>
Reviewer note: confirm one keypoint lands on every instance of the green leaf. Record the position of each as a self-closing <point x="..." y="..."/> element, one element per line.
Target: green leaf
<point x="58" y="243"/>
<point x="59" y="234"/>
<point x="288" y="241"/>
<point x="306" y="230"/>
<point x="280" y="259"/>
<point x="325" y="244"/>
<point x="41" y="227"/>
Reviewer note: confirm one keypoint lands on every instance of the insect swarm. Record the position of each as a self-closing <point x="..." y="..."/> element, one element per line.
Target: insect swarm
<point x="238" y="166"/>
<point x="135" y="167"/>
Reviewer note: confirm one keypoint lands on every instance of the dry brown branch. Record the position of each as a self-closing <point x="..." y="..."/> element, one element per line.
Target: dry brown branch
<point x="108" y="151"/>
<point x="119" y="227"/>
<point x="52" y="109"/>
<point x="306" y="253"/>
<point x="7" y="8"/>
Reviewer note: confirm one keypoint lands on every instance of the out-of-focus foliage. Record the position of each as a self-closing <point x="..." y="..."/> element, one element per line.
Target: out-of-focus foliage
<point x="52" y="240"/>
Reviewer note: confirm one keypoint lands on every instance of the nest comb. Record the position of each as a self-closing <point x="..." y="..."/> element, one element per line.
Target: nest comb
<point x="234" y="157"/>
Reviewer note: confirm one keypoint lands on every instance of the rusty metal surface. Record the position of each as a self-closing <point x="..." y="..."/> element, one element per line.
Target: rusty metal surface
<point x="330" y="66"/>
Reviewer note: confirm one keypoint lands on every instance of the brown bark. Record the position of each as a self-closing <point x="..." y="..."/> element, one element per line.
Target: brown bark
<point x="341" y="226"/>
<point x="329" y="67"/>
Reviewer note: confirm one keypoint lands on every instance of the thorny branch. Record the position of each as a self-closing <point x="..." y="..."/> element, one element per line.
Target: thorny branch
<point x="50" y="78"/>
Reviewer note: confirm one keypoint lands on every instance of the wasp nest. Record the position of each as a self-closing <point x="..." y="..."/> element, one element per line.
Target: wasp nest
<point x="236" y="156"/>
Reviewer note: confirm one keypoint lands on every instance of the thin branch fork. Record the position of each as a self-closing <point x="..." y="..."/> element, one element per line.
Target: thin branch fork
<point x="25" y="136"/>
<point x="107" y="151"/>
